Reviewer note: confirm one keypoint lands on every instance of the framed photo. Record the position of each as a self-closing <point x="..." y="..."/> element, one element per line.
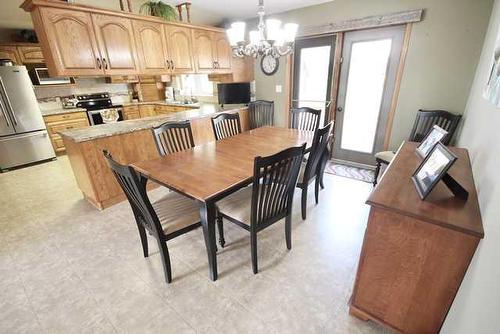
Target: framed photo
<point x="434" y="136"/>
<point x="432" y="169"/>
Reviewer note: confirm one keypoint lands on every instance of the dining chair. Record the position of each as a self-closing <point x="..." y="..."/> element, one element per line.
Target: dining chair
<point x="165" y="219"/>
<point x="226" y="125"/>
<point x="171" y="137"/>
<point x="309" y="170"/>
<point x="267" y="201"/>
<point x="424" y="122"/>
<point x="261" y="113"/>
<point x="324" y="159"/>
<point x="305" y="118"/>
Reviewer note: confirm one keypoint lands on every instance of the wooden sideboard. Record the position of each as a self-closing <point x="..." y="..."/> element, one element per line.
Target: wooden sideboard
<point x="415" y="253"/>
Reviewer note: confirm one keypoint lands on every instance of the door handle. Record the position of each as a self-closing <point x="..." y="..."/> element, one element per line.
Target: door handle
<point x="8" y="104"/>
<point x="99" y="63"/>
<point x="2" y="109"/>
<point x="340" y="109"/>
<point x="168" y="64"/>
<point x="172" y="64"/>
<point x="105" y="63"/>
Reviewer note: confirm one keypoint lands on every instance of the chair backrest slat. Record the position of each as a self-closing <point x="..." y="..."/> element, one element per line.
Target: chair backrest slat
<point x="226" y="125"/>
<point x="135" y="191"/>
<point x="426" y="119"/>
<point x="275" y="178"/>
<point x="305" y="118"/>
<point x="321" y="139"/>
<point x="172" y="137"/>
<point x="261" y="113"/>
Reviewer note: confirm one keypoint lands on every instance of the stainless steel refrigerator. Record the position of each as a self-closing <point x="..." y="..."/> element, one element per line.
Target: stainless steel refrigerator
<point x="23" y="135"/>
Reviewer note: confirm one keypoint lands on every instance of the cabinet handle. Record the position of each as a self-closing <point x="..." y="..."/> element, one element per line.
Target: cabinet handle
<point x="173" y="65"/>
<point x="65" y="116"/>
<point x="105" y="63"/>
<point x="213" y="64"/>
<point x="168" y="64"/>
<point x="69" y="127"/>
<point x="99" y="63"/>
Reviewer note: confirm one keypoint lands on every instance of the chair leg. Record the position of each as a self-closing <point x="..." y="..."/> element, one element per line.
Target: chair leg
<point x="377" y="171"/>
<point x="165" y="258"/>
<point x="321" y="169"/>
<point x="288" y="231"/>
<point x="304" y="201"/>
<point x="316" y="189"/>
<point x="144" y="239"/>
<point x="220" y="227"/>
<point x="253" y="246"/>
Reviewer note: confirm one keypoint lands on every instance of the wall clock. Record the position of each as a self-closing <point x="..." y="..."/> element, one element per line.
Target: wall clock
<point x="269" y="64"/>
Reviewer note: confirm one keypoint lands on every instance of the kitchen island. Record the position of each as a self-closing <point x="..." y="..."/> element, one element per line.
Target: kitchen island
<point x="128" y="141"/>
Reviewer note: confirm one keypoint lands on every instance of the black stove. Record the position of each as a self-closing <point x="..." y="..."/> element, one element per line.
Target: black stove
<point x="96" y="104"/>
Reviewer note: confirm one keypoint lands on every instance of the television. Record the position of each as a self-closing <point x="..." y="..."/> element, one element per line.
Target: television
<point x="234" y="93"/>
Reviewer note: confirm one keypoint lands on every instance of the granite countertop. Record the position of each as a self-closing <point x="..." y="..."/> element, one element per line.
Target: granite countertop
<point x="167" y="103"/>
<point x="113" y="129"/>
<point x="58" y="111"/>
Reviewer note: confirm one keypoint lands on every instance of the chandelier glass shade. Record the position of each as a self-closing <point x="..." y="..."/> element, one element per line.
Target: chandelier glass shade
<point x="270" y="38"/>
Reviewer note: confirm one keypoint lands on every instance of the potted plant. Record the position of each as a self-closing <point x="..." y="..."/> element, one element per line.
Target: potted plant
<point x="159" y="9"/>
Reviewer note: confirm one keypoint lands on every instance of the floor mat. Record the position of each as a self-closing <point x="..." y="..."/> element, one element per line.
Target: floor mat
<point x="361" y="174"/>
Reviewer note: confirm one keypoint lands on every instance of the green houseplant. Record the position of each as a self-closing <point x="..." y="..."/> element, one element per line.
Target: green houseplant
<point x="159" y="9"/>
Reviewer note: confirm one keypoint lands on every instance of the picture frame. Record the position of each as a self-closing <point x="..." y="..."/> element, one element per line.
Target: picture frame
<point x="435" y="135"/>
<point x="432" y="169"/>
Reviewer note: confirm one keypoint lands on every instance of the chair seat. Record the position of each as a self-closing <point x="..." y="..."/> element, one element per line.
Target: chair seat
<point x="385" y="156"/>
<point x="237" y="205"/>
<point x="176" y="212"/>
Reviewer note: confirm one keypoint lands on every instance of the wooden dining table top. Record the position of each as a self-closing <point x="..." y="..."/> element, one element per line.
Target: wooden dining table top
<point x="208" y="170"/>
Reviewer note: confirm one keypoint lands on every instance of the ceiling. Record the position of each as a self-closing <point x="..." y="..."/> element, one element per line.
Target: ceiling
<point x="209" y="12"/>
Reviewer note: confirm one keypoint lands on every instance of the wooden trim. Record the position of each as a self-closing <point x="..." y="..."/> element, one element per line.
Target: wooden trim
<point x="288" y="88"/>
<point x="397" y="85"/>
<point x="337" y="64"/>
<point x="367" y="22"/>
<point x="30" y="5"/>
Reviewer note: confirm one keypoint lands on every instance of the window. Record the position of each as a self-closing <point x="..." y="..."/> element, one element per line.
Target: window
<point x="196" y="85"/>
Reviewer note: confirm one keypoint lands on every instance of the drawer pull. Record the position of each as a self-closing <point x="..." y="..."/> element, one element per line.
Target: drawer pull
<point x="69" y="127"/>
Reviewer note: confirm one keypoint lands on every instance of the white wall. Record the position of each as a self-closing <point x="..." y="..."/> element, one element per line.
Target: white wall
<point x="477" y="305"/>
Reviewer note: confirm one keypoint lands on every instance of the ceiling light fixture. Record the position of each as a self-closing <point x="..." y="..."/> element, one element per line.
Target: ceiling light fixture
<point x="270" y="38"/>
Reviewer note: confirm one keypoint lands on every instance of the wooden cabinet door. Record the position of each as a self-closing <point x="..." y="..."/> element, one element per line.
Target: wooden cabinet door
<point x="30" y="54"/>
<point x="204" y="51"/>
<point x="151" y="47"/>
<point x="180" y="49"/>
<point x="223" y="52"/>
<point x="9" y="52"/>
<point x="72" y="46"/>
<point x="116" y="44"/>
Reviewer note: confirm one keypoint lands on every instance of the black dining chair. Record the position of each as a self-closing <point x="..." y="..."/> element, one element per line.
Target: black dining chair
<point x="165" y="219"/>
<point x="226" y="125"/>
<point x="268" y="200"/>
<point x="310" y="168"/>
<point x="260" y="113"/>
<point x="424" y="122"/>
<point x="324" y="160"/>
<point x="305" y="118"/>
<point x="171" y="137"/>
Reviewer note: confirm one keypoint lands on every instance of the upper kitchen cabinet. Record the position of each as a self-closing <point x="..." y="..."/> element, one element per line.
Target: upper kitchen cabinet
<point x="180" y="49"/>
<point x="30" y="54"/>
<point x="212" y="51"/>
<point x="151" y="47"/>
<point x="9" y="52"/>
<point x="68" y="40"/>
<point x="116" y="42"/>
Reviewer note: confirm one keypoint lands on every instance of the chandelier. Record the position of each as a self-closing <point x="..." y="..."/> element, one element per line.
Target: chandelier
<point x="269" y="40"/>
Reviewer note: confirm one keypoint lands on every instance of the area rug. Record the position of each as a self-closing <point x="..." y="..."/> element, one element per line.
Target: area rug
<point x="361" y="174"/>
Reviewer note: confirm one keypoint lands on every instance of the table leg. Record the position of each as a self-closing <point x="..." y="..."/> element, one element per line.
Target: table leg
<point x="207" y="215"/>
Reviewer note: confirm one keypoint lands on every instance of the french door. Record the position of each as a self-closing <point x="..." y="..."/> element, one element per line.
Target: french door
<point x="312" y="74"/>
<point x="370" y="59"/>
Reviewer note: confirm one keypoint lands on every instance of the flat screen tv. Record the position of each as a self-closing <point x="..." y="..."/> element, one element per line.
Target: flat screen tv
<point x="234" y="93"/>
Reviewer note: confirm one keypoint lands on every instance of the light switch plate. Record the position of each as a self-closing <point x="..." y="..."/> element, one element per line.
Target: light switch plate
<point x="279" y="89"/>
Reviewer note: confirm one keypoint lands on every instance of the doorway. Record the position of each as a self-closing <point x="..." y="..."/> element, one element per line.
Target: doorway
<point x="312" y="74"/>
<point x="370" y="60"/>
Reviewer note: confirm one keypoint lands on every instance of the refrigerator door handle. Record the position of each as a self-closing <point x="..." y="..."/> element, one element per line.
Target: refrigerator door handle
<point x="11" y="110"/>
<point x="3" y="110"/>
<point x="27" y="135"/>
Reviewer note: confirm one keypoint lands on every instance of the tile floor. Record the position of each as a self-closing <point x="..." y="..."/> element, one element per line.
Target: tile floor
<point x="65" y="267"/>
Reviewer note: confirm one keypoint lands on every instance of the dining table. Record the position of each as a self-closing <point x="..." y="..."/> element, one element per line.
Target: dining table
<point x="211" y="171"/>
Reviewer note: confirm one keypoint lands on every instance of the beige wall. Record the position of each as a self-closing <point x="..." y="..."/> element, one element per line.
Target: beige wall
<point x="475" y="309"/>
<point x="441" y="61"/>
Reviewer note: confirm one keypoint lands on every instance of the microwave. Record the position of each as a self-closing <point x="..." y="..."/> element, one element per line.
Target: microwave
<point x="40" y="76"/>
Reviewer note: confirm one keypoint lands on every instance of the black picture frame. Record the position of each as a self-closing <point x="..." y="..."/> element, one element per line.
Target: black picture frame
<point x="435" y="135"/>
<point x="432" y="169"/>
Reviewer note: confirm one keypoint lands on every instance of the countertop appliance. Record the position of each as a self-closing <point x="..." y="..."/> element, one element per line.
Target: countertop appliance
<point x="96" y="105"/>
<point x="23" y="135"/>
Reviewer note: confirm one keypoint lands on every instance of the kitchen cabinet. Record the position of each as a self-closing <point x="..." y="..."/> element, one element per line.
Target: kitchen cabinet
<point x="223" y="52"/>
<point x="161" y="109"/>
<point x="131" y="112"/>
<point x="180" y="49"/>
<point x="212" y="52"/>
<point x="10" y="52"/>
<point x="62" y="122"/>
<point x="116" y="43"/>
<point x="68" y="37"/>
<point x="151" y="47"/>
<point x="147" y="110"/>
<point x="30" y="54"/>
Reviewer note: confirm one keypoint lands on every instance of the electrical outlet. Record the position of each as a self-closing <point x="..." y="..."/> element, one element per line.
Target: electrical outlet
<point x="279" y="88"/>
